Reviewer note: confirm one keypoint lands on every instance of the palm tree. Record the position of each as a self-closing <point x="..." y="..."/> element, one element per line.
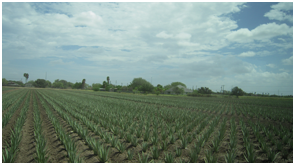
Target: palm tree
<point x="26" y="75"/>
<point x="108" y="79"/>
<point x="83" y="83"/>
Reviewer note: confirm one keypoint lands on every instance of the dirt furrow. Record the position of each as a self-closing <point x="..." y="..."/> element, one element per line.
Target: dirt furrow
<point x="3" y="92"/>
<point x="6" y="131"/>
<point x="84" y="151"/>
<point x="27" y="144"/>
<point x="6" y="110"/>
<point x="56" y="150"/>
<point x="287" y="124"/>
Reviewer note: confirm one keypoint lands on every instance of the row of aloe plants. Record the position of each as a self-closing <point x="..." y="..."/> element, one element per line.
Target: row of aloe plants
<point x="6" y="117"/>
<point x="111" y="122"/>
<point x="10" y="98"/>
<point x="11" y="149"/>
<point x="129" y="138"/>
<point x="65" y="139"/>
<point x="96" y="146"/>
<point x="198" y="103"/>
<point x="41" y="148"/>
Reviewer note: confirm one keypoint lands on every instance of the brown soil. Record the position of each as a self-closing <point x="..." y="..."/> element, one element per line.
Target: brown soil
<point x="7" y="91"/>
<point x="56" y="150"/>
<point x="83" y="150"/>
<point x="6" y="131"/>
<point x="27" y="145"/>
<point x="286" y="124"/>
<point x="6" y="110"/>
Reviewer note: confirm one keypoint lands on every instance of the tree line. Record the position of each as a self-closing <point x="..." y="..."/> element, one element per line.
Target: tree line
<point x="138" y="85"/>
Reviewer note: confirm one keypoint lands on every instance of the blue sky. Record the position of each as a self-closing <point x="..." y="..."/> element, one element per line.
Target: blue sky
<point x="249" y="45"/>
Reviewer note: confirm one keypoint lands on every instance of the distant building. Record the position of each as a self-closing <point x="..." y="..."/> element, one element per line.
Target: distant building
<point x="29" y="85"/>
<point x="185" y="90"/>
<point x="10" y="83"/>
<point x="113" y="90"/>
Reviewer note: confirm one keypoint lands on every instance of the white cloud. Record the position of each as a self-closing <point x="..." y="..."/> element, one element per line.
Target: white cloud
<point x="277" y="13"/>
<point x="263" y="32"/>
<point x="183" y="36"/>
<point x="281" y="39"/>
<point x="284" y="70"/>
<point x="288" y="61"/>
<point x="178" y="41"/>
<point x="247" y="54"/>
<point x="164" y="35"/>
<point x="60" y="62"/>
<point x="271" y="65"/>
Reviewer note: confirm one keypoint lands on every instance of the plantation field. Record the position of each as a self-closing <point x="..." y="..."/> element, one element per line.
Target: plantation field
<point x="45" y="125"/>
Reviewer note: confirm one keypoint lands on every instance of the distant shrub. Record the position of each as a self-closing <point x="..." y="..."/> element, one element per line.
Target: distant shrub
<point x="199" y="95"/>
<point x="95" y="88"/>
<point x="157" y="93"/>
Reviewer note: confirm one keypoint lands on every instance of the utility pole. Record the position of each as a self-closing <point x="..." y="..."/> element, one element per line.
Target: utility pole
<point x="223" y="89"/>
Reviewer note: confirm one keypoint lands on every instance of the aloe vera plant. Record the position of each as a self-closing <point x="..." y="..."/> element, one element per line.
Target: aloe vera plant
<point x="146" y="136"/>
<point x="164" y="145"/>
<point x="194" y="155"/>
<point x="183" y="142"/>
<point x="8" y="156"/>
<point x="144" y="158"/>
<point x="144" y="146"/>
<point x="130" y="154"/>
<point x="172" y="139"/>
<point x="271" y="155"/>
<point x="155" y="152"/>
<point x="210" y="158"/>
<point x="154" y="140"/>
<point x="230" y="156"/>
<point x="134" y="141"/>
<point x="169" y="158"/>
<point x="121" y="147"/>
<point x="178" y="152"/>
<point x="103" y="154"/>
<point x="250" y="155"/>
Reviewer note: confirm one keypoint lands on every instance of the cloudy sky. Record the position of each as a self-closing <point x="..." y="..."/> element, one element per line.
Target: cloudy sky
<point x="249" y="45"/>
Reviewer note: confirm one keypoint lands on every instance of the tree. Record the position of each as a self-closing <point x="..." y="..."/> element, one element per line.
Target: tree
<point x="40" y="83"/>
<point x="205" y="90"/>
<point x="159" y="86"/>
<point x="83" y="83"/>
<point x="178" y="90"/>
<point x="118" y="87"/>
<point x="48" y="83"/>
<point x="104" y="84"/>
<point x="174" y="84"/>
<point x="96" y="86"/>
<point x="141" y="84"/>
<point x="26" y="75"/>
<point x="4" y="82"/>
<point x="159" y="89"/>
<point x="108" y="79"/>
<point x="237" y="92"/>
<point x="77" y="85"/>
<point x="58" y="84"/>
<point x="70" y="84"/>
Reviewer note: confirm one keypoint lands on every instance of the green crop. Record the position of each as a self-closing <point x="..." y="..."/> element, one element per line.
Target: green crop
<point x="169" y="158"/>
<point x="130" y="154"/>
